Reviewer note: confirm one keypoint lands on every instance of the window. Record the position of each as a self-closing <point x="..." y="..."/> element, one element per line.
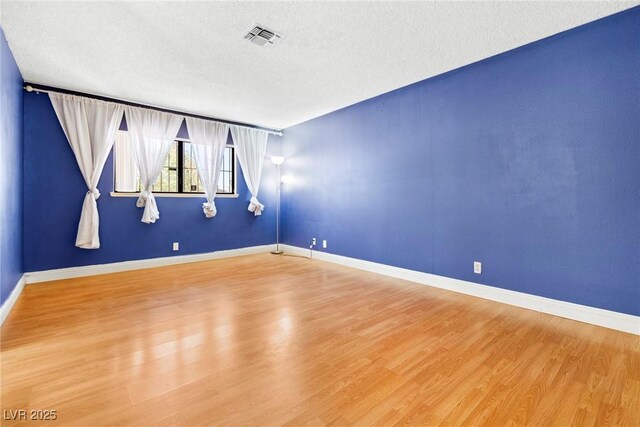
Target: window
<point x="179" y="174"/>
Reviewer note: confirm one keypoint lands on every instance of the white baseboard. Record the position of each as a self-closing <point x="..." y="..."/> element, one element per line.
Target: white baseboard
<point x="596" y="316"/>
<point x="13" y="297"/>
<point x="92" y="270"/>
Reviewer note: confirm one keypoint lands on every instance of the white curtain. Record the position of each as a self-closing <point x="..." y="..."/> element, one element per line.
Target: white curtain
<point x="152" y="134"/>
<point x="208" y="140"/>
<point x="126" y="169"/>
<point x="90" y="126"/>
<point x="251" y="146"/>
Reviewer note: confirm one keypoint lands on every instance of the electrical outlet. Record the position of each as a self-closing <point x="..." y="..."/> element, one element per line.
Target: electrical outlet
<point x="313" y="241"/>
<point x="477" y="267"/>
<point x="324" y="244"/>
<point x="176" y="246"/>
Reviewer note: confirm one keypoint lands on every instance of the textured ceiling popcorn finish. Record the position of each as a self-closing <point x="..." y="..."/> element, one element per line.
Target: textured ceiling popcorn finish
<point x="192" y="56"/>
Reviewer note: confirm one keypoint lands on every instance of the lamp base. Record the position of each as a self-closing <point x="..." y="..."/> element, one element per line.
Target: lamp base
<point x="277" y="252"/>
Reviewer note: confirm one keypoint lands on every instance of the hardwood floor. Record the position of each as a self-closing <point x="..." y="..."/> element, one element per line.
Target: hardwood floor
<point x="277" y="340"/>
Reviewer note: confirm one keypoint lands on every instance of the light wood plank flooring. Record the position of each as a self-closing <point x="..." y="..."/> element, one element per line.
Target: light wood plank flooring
<point x="276" y="340"/>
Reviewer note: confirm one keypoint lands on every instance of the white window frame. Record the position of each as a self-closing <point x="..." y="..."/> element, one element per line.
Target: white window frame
<point x="235" y="194"/>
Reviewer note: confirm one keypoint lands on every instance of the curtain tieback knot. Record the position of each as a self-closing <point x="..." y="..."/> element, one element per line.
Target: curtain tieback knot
<point x="142" y="199"/>
<point x="209" y="209"/>
<point x="255" y="206"/>
<point x="95" y="192"/>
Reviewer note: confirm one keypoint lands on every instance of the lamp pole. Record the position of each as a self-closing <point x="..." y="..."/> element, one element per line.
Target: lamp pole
<point x="278" y="160"/>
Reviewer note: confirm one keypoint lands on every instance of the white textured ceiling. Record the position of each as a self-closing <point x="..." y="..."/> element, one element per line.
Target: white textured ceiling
<point x="191" y="56"/>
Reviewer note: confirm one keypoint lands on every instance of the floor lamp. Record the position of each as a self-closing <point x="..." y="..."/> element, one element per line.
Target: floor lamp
<point x="278" y="160"/>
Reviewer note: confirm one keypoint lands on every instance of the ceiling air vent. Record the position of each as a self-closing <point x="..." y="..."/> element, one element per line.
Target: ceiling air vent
<point x="261" y="36"/>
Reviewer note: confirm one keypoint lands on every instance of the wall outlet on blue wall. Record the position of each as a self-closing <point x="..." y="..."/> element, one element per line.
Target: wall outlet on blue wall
<point x="176" y="246"/>
<point x="477" y="267"/>
<point x="324" y="244"/>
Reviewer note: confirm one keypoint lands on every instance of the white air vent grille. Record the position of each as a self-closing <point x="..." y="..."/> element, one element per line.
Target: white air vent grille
<point x="261" y="36"/>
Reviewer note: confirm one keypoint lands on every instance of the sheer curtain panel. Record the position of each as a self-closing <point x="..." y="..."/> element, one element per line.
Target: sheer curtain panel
<point x="251" y="146"/>
<point x="90" y="126"/>
<point x="151" y="134"/>
<point x="208" y="140"/>
<point x="126" y="170"/>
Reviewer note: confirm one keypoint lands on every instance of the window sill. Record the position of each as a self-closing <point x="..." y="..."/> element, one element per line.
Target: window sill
<point x="178" y="195"/>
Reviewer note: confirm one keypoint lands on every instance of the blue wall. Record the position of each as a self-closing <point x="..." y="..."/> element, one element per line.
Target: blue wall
<point x="11" y="156"/>
<point x="528" y="162"/>
<point x="54" y="190"/>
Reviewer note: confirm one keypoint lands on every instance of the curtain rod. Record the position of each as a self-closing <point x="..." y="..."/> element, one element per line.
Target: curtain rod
<point x="30" y="87"/>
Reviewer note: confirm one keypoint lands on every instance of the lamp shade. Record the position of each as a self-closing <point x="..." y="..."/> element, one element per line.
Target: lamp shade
<point x="277" y="160"/>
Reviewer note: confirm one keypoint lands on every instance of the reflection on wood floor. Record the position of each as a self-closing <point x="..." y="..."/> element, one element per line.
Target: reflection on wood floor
<point x="277" y="340"/>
